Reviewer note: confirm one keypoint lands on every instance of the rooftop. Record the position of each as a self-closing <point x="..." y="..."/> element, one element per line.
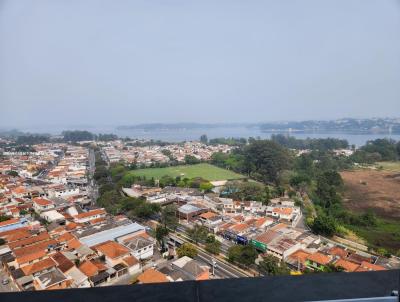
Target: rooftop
<point x="152" y="276"/>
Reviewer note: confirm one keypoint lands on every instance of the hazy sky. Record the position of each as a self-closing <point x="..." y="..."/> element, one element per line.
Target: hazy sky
<point x="138" y="61"/>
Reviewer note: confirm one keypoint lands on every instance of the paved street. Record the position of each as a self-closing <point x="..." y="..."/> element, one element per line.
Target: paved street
<point x="222" y="270"/>
<point x="10" y="287"/>
<point x="92" y="188"/>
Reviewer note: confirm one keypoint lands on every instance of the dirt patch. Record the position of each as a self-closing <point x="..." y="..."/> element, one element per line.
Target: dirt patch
<point x="372" y="189"/>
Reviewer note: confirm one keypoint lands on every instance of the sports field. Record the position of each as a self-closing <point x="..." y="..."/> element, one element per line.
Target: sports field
<point x="205" y="171"/>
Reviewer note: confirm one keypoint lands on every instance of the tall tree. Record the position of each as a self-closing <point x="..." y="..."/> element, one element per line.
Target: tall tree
<point x="198" y="233"/>
<point x="168" y="217"/>
<point x="270" y="265"/>
<point x="266" y="159"/>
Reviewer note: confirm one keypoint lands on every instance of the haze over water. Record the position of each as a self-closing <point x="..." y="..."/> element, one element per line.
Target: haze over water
<point x="194" y="134"/>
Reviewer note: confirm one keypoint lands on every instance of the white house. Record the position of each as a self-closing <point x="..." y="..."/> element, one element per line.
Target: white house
<point x="41" y="204"/>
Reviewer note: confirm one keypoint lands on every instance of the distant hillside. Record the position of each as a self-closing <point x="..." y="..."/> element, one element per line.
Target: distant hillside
<point x="349" y="125"/>
<point x="182" y="126"/>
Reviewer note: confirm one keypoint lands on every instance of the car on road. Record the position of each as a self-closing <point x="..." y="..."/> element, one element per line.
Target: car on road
<point x="5" y="281"/>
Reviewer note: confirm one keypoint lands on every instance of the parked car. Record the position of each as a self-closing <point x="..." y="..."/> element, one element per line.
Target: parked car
<point x="5" y="281"/>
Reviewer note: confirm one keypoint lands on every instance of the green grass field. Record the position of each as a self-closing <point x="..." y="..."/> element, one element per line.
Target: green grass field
<point x="392" y="166"/>
<point x="205" y="171"/>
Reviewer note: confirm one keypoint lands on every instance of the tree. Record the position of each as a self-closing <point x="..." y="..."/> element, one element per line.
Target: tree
<point x="324" y="225"/>
<point x="4" y="218"/>
<point x="385" y="147"/>
<point x="161" y="233"/>
<point x="191" y="160"/>
<point x="212" y="245"/>
<point x="251" y="191"/>
<point x="168" y="217"/>
<point x="272" y="266"/>
<point x="331" y="268"/>
<point x="23" y="212"/>
<point x="198" y="233"/>
<point x="206" y="187"/>
<point x="187" y="249"/>
<point x="204" y="139"/>
<point x="266" y="159"/>
<point x="12" y="173"/>
<point x="240" y="254"/>
<point x="77" y="135"/>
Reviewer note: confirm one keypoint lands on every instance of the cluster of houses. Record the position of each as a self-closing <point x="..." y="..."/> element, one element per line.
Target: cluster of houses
<point x="50" y="240"/>
<point x="273" y="229"/>
<point x="52" y="237"/>
<point x="118" y="151"/>
<point x="77" y="249"/>
<point x="30" y="163"/>
<point x="71" y="169"/>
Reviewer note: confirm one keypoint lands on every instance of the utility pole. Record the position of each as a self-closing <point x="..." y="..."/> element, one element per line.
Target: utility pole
<point x="214" y="264"/>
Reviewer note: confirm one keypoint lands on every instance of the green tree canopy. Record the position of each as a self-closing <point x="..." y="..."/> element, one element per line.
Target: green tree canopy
<point x="266" y="159"/>
<point x="270" y="265"/>
<point x="198" y="233"/>
<point x="187" y="249"/>
<point x="242" y="254"/>
<point x="168" y="217"/>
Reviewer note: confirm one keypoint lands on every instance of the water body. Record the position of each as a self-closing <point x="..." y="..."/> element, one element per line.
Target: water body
<point x="194" y="134"/>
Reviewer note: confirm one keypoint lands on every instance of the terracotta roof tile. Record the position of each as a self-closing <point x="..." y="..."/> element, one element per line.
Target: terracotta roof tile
<point x="152" y="276"/>
<point x="366" y="266"/>
<point x="42" y="201"/>
<point x="338" y="251"/>
<point x="38" y="266"/>
<point x="29" y="241"/>
<point x="90" y="213"/>
<point x="319" y="258"/>
<point x="130" y="260"/>
<point x="9" y="221"/>
<point x="300" y="256"/>
<point x="88" y="268"/>
<point x="30" y="257"/>
<point x="208" y="215"/>
<point x="112" y="249"/>
<point x="348" y="266"/>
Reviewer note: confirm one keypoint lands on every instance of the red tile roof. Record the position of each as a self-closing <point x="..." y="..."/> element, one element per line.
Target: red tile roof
<point x="319" y="258"/>
<point x="42" y="202"/>
<point x="366" y="266"/>
<point x="348" y="266"/>
<point x="152" y="276"/>
<point x="63" y="263"/>
<point x="38" y="266"/>
<point x="9" y="221"/>
<point x="112" y="249"/>
<point x="29" y="241"/>
<point x="88" y="268"/>
<point x="91" y="213"/>
<point x="300" y="256"/>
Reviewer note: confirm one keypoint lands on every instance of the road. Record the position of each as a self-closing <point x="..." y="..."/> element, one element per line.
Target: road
<point x="10" y="287"/>
<point x="92" y="188"/>
<point x="222" y="270"/>
<point x="225" y="244"/>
